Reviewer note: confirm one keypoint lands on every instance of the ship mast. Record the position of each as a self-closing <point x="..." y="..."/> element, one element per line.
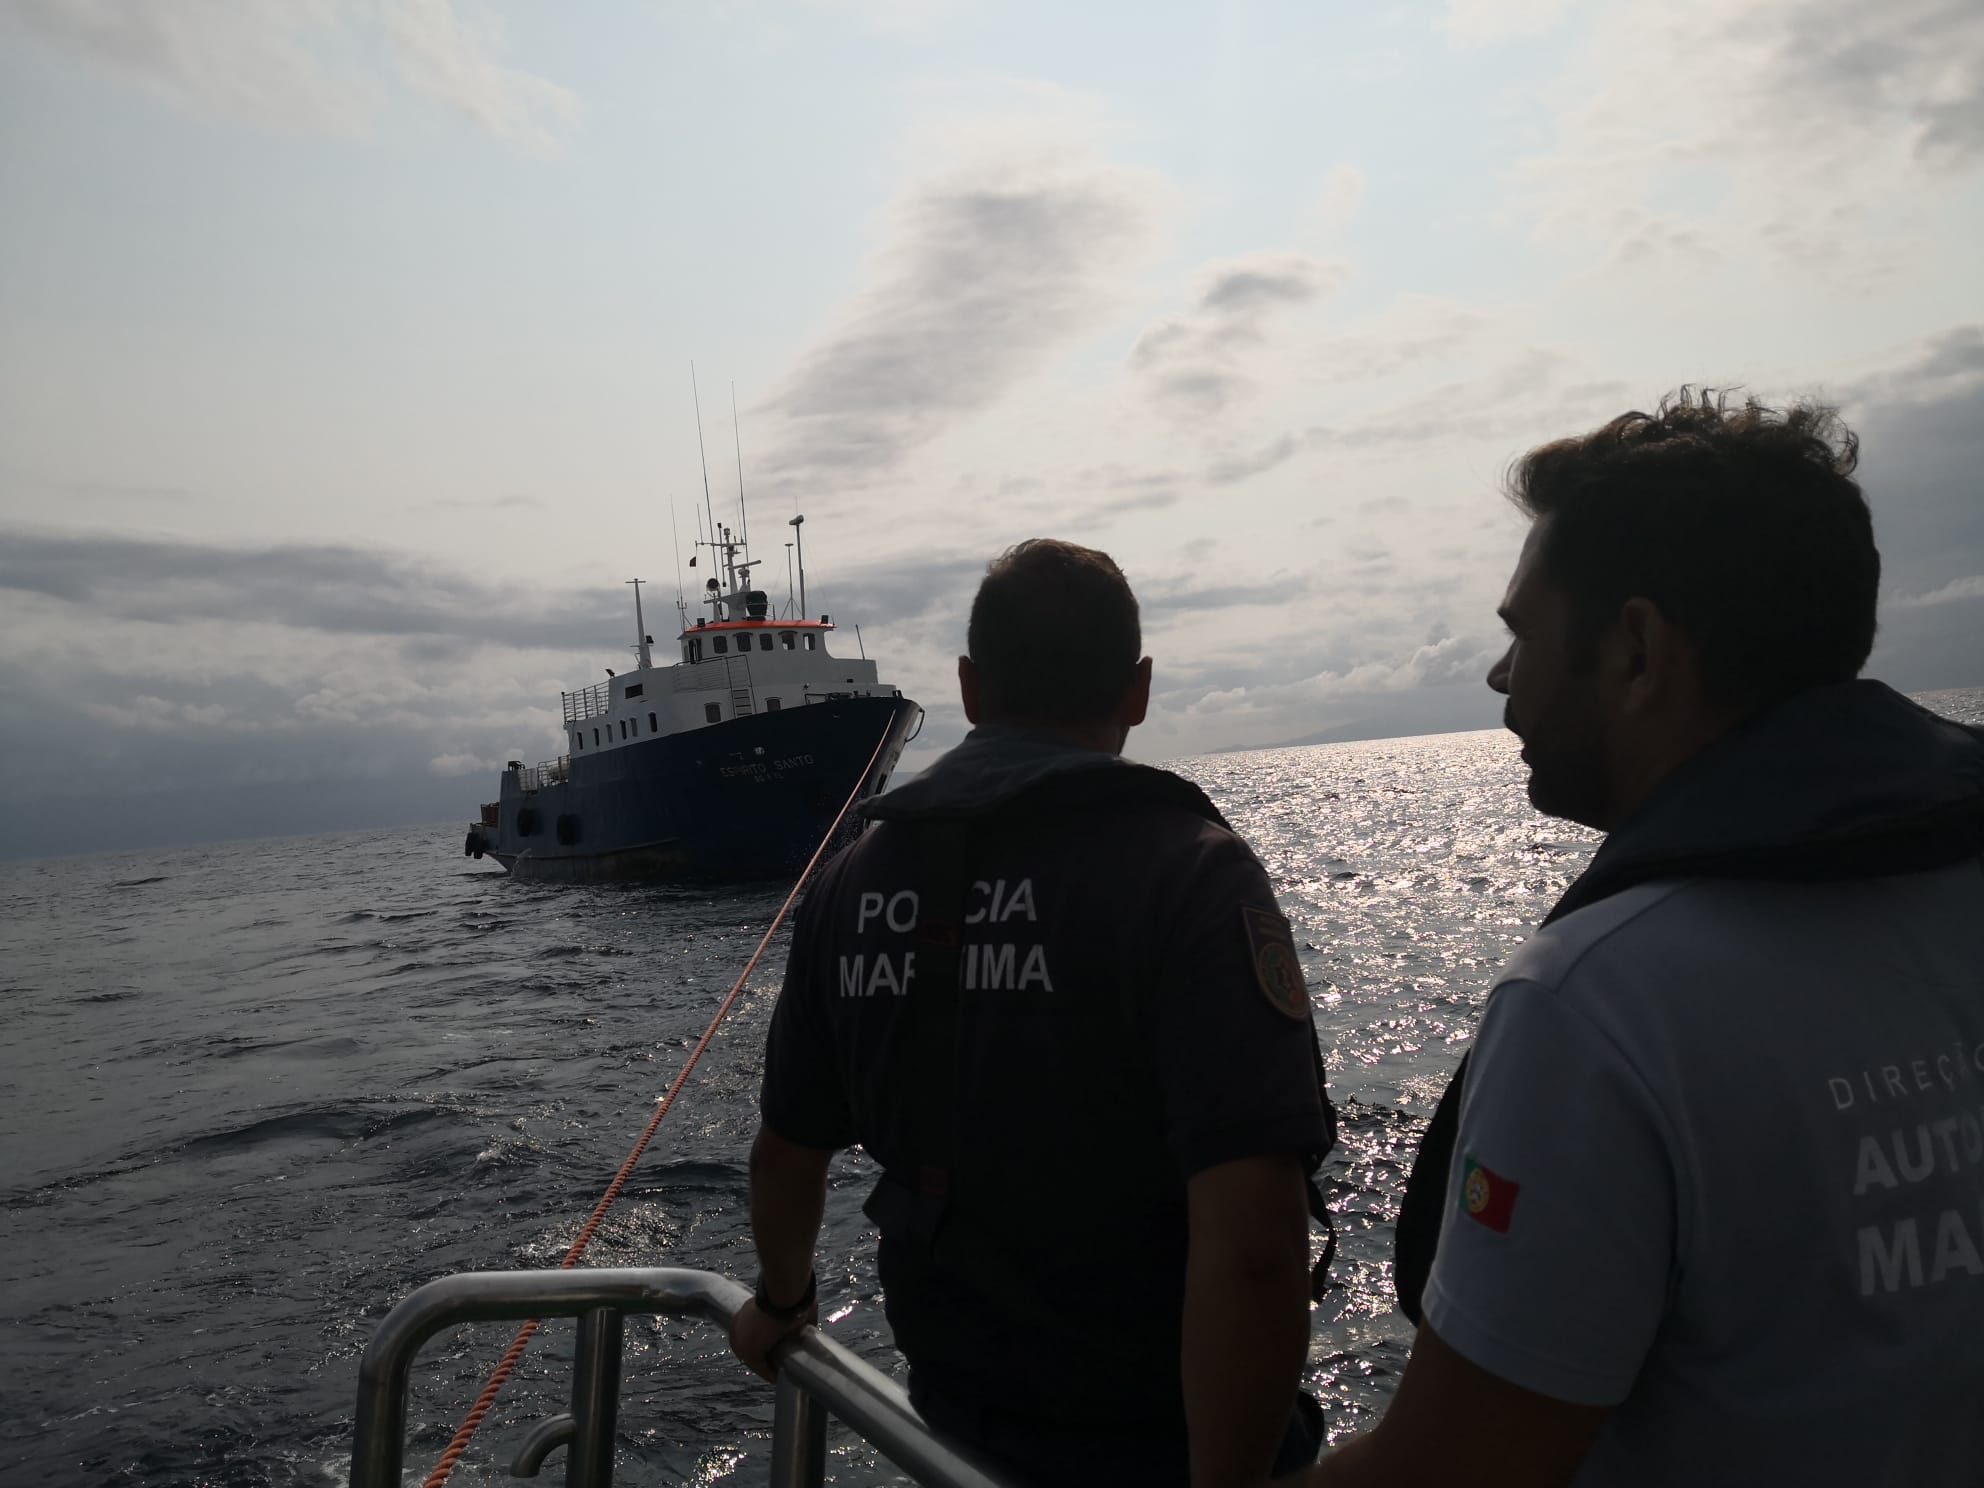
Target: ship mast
<point x="681" y="604"/>
<point x="737" y="439"/>
<point x="701" y="454"/>
<point x="737" y="576"/>
<point x="641" y="641"/>
<point x="799" y="538"/>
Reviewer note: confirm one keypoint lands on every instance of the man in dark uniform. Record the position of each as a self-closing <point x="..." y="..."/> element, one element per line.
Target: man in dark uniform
<point x="1051" y="995"/>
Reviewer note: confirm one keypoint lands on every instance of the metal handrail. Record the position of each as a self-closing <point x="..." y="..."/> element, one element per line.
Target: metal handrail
<point x="587" y="702"/>
<point x="550" y="772"/>
<point x="813" y="1371"/>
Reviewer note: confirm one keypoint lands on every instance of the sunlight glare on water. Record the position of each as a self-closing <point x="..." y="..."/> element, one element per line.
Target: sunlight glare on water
<point x="1409" y="869"/>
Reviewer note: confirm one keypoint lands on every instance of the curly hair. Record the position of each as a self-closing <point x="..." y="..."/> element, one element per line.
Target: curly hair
<point x="1742" y="524"/>
<point x="1054" y="633"/>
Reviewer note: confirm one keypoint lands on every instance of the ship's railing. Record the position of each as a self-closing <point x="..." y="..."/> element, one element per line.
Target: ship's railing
<point x="587" y="702"/>
<point x="816" y="1375"/>
<point x="551" y="772"/>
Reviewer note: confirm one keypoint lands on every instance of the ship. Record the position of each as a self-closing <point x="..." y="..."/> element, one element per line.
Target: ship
<point x="728" y="764"/>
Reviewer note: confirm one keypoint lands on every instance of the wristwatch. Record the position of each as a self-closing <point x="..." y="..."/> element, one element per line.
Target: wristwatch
<point x="791" y="1310"/>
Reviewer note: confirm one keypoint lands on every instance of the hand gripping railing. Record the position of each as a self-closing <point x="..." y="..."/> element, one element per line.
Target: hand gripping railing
<point x="813" y="1371"/>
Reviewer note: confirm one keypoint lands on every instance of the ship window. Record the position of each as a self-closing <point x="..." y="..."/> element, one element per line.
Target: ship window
<point x="635" y="689"/>
<point x="653" y="727"/>
<point x="771" y="705"/>
<point x="785" y="640"/>
<point x="765" y="641"/>
<point x="711" y="712"/>
<point x="719" y="645"/>
<point x="811" y="641"/>
<point x="623" y="728"/>
<point x="578" y="741"/>
<point x="595" y="738"/>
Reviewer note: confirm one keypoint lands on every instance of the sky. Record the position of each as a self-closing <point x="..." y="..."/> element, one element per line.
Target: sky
<point x="346" y="346"/>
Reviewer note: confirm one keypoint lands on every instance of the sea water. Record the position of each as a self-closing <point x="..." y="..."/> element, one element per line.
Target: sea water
<point x="254" y="1093"/>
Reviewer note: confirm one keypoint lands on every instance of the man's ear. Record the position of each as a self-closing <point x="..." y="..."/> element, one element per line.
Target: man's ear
<point x="1654" y="662"/>
<point x="968" y="690"/>
<point x="1136" y="697"/>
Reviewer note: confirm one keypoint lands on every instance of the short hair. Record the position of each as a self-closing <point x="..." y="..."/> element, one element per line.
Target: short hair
<point x="1742" y="524"/>
<point x="1053" y="633"/>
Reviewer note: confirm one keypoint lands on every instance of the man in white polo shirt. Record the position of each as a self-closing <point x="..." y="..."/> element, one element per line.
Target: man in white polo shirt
<point x="1706" y="1202"/>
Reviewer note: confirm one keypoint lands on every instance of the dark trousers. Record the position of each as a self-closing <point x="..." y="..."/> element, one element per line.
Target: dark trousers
<point x="1028" y="1452"/>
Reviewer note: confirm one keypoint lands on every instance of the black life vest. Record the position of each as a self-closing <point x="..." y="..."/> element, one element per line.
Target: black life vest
<point x="912" y="1203"/>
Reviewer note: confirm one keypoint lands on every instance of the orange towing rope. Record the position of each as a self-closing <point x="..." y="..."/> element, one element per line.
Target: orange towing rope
<point x="501" y="1373"/>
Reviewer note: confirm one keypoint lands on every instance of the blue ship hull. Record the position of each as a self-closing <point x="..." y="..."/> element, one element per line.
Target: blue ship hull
<point x="749" y="798"/>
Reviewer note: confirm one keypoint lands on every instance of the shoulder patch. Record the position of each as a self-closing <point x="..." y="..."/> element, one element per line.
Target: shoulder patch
<point x="1275" y="967"/>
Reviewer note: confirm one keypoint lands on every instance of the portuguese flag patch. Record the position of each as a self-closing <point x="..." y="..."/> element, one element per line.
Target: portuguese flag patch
<point x="1487" y="1197"/>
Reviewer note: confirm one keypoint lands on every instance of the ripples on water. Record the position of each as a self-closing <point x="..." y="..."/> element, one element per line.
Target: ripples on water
<point x="256" y="1092"/>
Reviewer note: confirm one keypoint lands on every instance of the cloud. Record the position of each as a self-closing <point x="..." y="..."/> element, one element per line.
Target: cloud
<point x="1410" y="332"/>
<point x="1344" y="696"/>
<point x="1921" y="425"/>
<point x="449" y="766"/>
<point x="302" y="686"/>
<point x="1477" y="22"/>
<point x="141" y="758"/>
<point x="1186" y="594"/>
<point x="1087" y="497"/>
<point x="318" y="587"/>
<point x="1956" y="590"/>
<point x="1240" y="291"/>
<point x="1913" y="64"/>
<point x="1641" y="238"/>
<point x="986" y="270"/>
<point x="912" y="587"/>
<point x="211" y="691"/>
<point x="149" y="713"/>
<point x="1339" y="202"/>
<point x="1197" y="362"/>
<point x="1391" y="603"/>
<point x="1533" y="394"/>
<point x="257" y="61"/>
<point x="512" y="501"/>
<point x="1699" y="131"/>
<point x="31" y="488"/>
<point x="301" y="64"/>
<point x="445" y="59"/>
<point x="83" y="490"/>
<point x="892" y="17"/>
<point x="1230" y="469"/>
<point x="1950" y="362"/>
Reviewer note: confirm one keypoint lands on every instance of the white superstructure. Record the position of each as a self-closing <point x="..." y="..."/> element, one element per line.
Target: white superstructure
<point x="736" y="661"/>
